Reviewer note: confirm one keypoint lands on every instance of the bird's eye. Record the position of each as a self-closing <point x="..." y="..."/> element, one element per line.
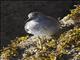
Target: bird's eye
<point x="35" y="14"/>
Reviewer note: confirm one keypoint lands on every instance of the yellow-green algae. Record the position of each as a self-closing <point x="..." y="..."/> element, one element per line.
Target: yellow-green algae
<point x="75" y="13"/>
<point x="11" y="50"/>
<point x="69" y="44"/>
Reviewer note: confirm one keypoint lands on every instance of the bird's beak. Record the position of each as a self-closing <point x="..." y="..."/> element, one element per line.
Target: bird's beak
<point x="27" y="20"/>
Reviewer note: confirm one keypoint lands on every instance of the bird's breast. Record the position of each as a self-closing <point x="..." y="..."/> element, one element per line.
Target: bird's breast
<point x="31" y="24"/>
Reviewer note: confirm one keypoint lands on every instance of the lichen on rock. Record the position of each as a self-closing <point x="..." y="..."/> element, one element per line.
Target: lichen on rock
<point x="73" y="18"/>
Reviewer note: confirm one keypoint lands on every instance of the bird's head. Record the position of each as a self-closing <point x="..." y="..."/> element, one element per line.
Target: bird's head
<point x="34" y="15"/>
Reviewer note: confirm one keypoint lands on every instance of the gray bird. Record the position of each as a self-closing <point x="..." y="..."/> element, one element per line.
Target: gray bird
<point x="40" y="24"/>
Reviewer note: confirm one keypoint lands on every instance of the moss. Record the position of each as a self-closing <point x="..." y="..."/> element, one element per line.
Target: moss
<point x="75" y="13"/>
<point x="69" y="44"/>
<point x="11" y="50"/>
<point x="46" y="48"/>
